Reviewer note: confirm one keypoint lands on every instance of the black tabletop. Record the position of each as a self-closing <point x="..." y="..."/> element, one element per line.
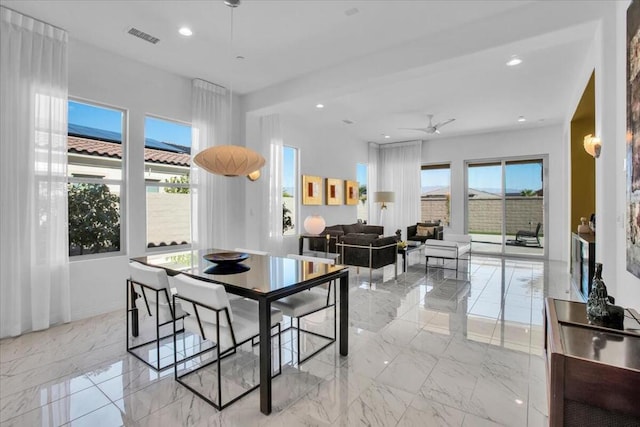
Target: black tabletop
<point x="258" y="273"/>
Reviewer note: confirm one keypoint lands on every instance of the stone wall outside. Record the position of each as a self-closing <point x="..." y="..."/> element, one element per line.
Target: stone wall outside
<point x="485" y="214"/>
<point x="168" y="218"/>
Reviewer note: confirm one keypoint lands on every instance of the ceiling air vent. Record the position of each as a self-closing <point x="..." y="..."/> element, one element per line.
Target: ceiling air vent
<point x="144" y="36"/>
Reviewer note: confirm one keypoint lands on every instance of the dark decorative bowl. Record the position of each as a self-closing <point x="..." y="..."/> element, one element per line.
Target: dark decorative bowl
<point x="224" y="269"/>
<point x="226" y="258"/>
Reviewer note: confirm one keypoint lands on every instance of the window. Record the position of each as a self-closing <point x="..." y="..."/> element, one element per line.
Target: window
<point x="363" y="206"/>
<point x="289" y="190"/>
<point x="435" y="197"/>
<point x="167" y="158"/>
<point x="94" y="146"/>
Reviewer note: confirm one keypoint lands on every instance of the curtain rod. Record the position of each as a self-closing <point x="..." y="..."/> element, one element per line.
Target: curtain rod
<point x="211" y="83"/>
<point x="35" y="19"/>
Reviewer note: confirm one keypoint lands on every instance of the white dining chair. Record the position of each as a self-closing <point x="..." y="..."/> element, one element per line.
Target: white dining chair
<point x="149" y="296"/>
<point x="227" y="323"/>
<point x="308" y="302"/>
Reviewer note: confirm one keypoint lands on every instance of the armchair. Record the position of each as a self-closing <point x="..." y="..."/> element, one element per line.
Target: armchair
<point x="529" y="238"/>
<point x="453" y="246"/>
<point x="425" y="230"/>
<point x="367" y="250"/>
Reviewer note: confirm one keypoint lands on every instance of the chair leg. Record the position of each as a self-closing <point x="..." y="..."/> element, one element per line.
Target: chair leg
<point x="279" y="349"/>
<point x="135" y="328"/>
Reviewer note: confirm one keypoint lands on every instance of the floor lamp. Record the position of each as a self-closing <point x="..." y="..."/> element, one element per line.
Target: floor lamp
<point x="383" y="197"/>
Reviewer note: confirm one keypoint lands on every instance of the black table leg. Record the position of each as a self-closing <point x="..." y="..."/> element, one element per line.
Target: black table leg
<point x="344" y="314"/>
<point x="264" y="316"/>
<point x="134" y="310"/>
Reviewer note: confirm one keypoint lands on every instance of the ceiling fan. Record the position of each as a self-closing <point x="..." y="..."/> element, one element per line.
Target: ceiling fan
<point x="431" y="129"/>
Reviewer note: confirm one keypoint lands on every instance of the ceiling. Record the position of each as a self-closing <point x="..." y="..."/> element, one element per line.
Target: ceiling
<point x="382" y="64"/>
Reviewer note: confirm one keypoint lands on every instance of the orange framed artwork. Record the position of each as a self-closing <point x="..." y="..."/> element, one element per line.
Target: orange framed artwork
<point x="334" y="191"/>
<point x="311" y="190"/>
<point x="350" y="192"/>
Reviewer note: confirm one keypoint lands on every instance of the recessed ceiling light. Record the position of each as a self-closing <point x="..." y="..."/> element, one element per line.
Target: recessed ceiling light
<point x="387" y="137"/>
<point x="319" y="105"/>
<point x="240" y="57"/>
<point x="522" y="119"/>
<point x="185" y="31"/>
<point x="515" y="60"/>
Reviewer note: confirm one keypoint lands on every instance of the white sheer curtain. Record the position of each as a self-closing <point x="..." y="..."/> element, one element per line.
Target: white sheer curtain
<point x="209" y="192"/>
<point x="399" y="171"/>
<point x="372" y="183"/>
<point x="34" y="255"/>
<point x="271" y="136"/>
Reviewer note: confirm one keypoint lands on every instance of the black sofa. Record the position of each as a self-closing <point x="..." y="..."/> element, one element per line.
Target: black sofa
<point x="434" y="230"/>
<point x="337" y="231"/>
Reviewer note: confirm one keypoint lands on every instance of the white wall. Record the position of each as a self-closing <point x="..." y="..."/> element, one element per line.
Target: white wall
<point x="98" y="284"/>
<point x="528" y="142"/>
<point x="611" y="206"/>
<point x="328" y="154"/>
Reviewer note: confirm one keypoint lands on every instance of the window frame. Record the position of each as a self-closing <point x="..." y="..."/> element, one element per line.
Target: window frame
<point x="437" y="166"/>
<point x="150" y="183"/>
<point x="122" y="182"/>
<point x="366" y="205"/>
<point x="296" y="199"/>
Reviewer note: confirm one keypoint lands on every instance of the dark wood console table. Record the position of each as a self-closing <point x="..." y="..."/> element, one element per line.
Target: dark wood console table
<point x="593" y="373"/>
<point x="583" y="260"/>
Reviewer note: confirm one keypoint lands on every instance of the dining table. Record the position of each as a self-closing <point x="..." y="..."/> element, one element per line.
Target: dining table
<point x="263" y="278"/>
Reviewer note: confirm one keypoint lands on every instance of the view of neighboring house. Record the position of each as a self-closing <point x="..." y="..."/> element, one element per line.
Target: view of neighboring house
<point x="96" y="155"/>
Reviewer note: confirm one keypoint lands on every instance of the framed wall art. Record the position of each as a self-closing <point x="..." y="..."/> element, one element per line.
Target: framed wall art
<point x="311" y="190"/>
<point x="334" y="191"/>
<point x="633" y="138"/>
<point x="351" y="195"/>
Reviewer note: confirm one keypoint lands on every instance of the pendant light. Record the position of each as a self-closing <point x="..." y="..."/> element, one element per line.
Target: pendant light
<point x="231" y="160"/>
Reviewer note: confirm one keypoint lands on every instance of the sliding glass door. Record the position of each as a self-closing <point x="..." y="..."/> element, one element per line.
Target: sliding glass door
<point x="524" y="207"/>
<point x="505" y="206"/>
<point x="484" y="206"/>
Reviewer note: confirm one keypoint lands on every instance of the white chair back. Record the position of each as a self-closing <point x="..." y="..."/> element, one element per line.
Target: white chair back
<point x="205" y="293"/>
<point x="153" y="277"/>
<point x="251" y="251"/>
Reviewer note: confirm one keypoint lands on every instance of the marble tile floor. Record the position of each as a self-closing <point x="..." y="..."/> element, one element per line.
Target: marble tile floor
<point x="443" y="349"/>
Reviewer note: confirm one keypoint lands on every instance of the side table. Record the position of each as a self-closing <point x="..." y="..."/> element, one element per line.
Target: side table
<point x="405" y="254"/>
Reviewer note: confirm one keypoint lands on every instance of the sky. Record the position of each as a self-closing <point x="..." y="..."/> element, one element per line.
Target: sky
<point x="111" y="120"/>
<point x="361" y="174"/>
<point x="289" y="167"/>
<point x="519" y="176"/>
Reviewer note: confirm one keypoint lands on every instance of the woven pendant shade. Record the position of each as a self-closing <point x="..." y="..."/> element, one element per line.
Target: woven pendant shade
<point x="229" y="160"/>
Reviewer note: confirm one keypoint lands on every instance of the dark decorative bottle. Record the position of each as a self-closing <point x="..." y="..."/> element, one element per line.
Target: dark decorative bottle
<point x="597" y="304"/>
<point x="600" y="310"/>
